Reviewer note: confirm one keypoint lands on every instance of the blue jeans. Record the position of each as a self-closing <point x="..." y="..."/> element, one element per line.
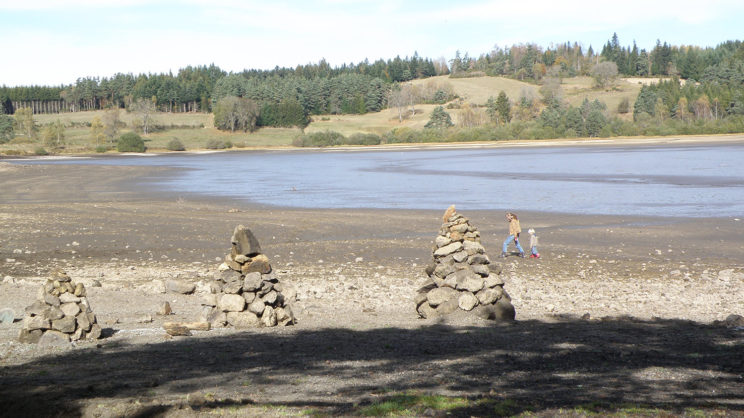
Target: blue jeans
<point x="509" y="239"/>
<point x="534" y="250"/>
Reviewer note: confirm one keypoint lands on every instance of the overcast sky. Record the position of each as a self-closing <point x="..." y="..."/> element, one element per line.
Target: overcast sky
<point x="52" y="42"/>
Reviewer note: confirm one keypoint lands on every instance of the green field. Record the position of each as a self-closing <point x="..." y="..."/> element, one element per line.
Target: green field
<point x="193" y="130"/>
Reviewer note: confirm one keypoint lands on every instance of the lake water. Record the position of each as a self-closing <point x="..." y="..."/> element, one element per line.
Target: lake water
<point x="687" y="180"/>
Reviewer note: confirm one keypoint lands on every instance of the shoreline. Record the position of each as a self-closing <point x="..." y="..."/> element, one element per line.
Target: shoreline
<point x="719" y="139"/>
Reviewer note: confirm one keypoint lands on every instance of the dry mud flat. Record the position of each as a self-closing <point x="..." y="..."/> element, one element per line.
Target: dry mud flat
<point x="618" y="311"/>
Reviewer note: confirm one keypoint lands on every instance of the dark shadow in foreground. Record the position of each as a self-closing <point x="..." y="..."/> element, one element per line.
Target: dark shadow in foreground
<point x="667" y="364"/>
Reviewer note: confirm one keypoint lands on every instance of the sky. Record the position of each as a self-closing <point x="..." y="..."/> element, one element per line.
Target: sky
<point x="54" y="42"/>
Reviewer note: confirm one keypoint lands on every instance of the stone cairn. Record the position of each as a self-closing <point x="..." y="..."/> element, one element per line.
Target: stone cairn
<point x="247" y="292"/>
<point x="462" y="276"/>
<point x="60" y="314"/>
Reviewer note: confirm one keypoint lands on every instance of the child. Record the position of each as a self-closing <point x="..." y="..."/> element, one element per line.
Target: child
<point x="533" y="243"/>
<point x="514" y="231"/>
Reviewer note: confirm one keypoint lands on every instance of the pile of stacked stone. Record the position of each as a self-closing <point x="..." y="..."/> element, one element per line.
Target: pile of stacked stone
<point x="61" y="313"/>
<point x="462" y="276"/>
<point x="248" y="294"/>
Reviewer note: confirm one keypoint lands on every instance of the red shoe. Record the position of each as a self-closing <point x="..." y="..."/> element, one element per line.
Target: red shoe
<point x="533" y="256"/>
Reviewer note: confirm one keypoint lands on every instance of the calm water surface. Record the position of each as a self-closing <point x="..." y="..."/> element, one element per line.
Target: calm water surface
<point x="689" y="180"/>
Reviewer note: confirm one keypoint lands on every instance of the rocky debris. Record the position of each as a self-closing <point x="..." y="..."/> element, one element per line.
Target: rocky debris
<point x="60" y="314"/>
<point x="185" y="328"/>
<point x="246" y="292"/>
<point x="165" y="309"/>
<point x="462" y="276"/>
<point x="731" y="321"/>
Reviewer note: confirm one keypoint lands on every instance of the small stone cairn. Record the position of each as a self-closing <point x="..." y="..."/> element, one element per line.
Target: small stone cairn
<point x="60" y="314"/>
<point x="462" y="276"/>
<point x="247" y="294"/>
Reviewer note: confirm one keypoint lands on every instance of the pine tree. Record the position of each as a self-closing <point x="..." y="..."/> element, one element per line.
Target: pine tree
<point x="439" y="119"/>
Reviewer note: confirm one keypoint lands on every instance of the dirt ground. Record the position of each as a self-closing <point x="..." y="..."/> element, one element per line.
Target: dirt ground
<point x="618" y="311"/>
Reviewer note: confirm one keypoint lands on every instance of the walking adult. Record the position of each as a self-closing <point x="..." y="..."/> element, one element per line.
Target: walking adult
<point x="514" y="231"/>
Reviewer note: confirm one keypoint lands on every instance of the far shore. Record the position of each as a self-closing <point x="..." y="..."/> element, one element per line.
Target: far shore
<point x="558" y="142"/>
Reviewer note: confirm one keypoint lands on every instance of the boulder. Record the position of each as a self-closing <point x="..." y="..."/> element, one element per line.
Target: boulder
<point x="467" y="301"/>
<point x="268" y="318"/>
<point x="53" y="338"/>
<point x="245" y="319"/>
<point x="257" y="306"/>
<point x="448" y="249"/>
<point x="259" y="263"/>
<point x="70" y="309"/>
<point x="231" y="303"/>
<point x="179" y="286"/>
<point x="244" y="242"/>
<point x="66" y="324"/>
<point x="29" y="336"/>
<point x="438" y="296"/>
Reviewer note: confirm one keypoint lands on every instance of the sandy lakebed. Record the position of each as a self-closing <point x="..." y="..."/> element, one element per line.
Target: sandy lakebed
<point x="619" y="310"/>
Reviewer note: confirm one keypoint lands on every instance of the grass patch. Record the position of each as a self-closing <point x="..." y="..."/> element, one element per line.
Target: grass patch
<point x="413" y="404"/>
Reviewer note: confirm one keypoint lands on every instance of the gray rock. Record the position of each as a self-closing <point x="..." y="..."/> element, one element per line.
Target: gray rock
<point x="7" y="316"/>
<point x="228" y="275"/>
<point x="36" y="322"/>
<point x="66" y="324"/>
<point x="249" y="297"/>
<point x="266" y="287"/>
<point x="241" y="259"/>
<point x="467" y="280"/>
<point x="443" y="270"/>
<point x="252" y="281"/>
<point x="426" y="311"/>
<point x="244" y="242"/>
<point x="259" y="263"/>
<point x="472" y="247"/>
<point x="460" y="256"/>
<point x="233" y="285"/>
<point x="448" y="249"/>
<point x="165" y="309"/>
<point x="268" y="318"/>
<point x="181" y="287"/>
<point x="257" y="307"/>
<point x="270" y="298"/>
<point x="429" y="270"/>
<point x="50" y="299"/>
<point x="448" y="307"/>
<point x="94" y="333"/>
<point x="53" y="338"/>
<point x="493" y="281"/>
<point x="461" y="228"/>
<point x="488" y="296"/>
<point x="438" y="296"/>
<point x="36" y="308"/>
<point x="209" y="300"/>
<point x="496" y="268"/>
<point x="53" y="313"/>
<point x="285" y="316"/>
<point x="83" y="322"/>
<point x="29" y="336"/>
<point x="231" y="303"/>
<point x="480" y="269"/>
<point x="68" y="298"/>
<point x="232" y="264"/>
<point x="500" y="311"/>
<point x="467" y="301"/>
<point x="70" y="309"/>
<point x="441" y="241"/>
<point x="243" y="319"/>
<point x="478" y="259"/>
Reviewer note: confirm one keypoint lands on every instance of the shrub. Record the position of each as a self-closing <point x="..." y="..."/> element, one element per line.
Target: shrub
<point x="624" y="106"/>
<point x="130" y="142"/>
<point x="364" y="139"/>
<point x="41" y="151"/>
<point x="101" y="149"/>
<point x="175" y="145"/>
<point x="217" y="144"/>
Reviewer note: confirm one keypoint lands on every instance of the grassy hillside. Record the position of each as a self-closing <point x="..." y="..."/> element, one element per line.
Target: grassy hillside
<point x="195" y="129"/>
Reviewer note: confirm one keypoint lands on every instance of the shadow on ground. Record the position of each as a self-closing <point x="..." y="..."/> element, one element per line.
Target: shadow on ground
<point x="668" y="364"/>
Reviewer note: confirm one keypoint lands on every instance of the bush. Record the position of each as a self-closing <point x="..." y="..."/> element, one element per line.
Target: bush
<point x="41" y="151"/>
<point x="320" y="139"/>
<point x="175" y="145"/>
<point x="130" y="142"/>
<point x="364" y="139"/>
<point x="218" y="144"/>
<point x="101" y="149"/>
<point x="624" y="106"/>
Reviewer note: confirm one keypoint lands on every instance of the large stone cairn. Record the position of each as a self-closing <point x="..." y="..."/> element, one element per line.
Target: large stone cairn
<point x="60" y="314"/>
<point x="462" y="276"/>
<point x="247" y="292"/>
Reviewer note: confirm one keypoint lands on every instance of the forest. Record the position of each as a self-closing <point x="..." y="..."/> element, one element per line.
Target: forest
<point x="701" y="86"/>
